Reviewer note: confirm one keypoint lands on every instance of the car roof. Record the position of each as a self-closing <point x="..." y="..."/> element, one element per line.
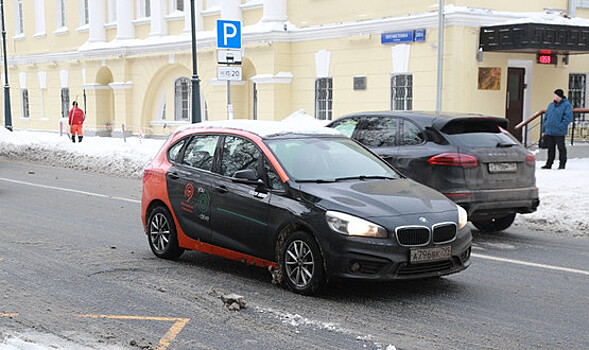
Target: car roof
<point x="264" y="129"/>
<point x="428" y="118"/>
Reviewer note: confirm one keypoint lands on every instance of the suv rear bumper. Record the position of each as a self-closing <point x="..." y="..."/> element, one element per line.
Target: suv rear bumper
<point x="485" y="204"/>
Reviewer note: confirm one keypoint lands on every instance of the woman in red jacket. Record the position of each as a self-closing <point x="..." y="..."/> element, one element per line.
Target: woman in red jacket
<point x="76" y="120"/>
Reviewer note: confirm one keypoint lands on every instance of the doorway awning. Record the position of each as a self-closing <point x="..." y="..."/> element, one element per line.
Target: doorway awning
<point x="533" y="37"/>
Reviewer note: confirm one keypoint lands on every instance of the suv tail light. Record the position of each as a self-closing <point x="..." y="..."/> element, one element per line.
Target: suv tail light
<point x="147" y="172"/>
<point x="530" y="159"/>
<point x="454" y="159"/>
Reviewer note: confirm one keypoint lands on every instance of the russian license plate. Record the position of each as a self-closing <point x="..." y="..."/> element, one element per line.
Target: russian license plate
<point x="502" y="167"/>
<point x="430" y="254"/>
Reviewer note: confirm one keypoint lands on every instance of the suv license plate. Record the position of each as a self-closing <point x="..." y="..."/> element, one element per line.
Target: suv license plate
<point x="430" y="254"/>
<point x="502" y="167"/>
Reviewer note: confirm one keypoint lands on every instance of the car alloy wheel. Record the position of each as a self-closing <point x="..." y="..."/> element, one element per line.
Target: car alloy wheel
<point x="161" y="233"/>
<point x="302" y="263"/>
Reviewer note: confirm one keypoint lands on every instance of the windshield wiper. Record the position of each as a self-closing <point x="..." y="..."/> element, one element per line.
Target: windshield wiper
<point x="366" y="177"/>
<point x="319" y="181"/>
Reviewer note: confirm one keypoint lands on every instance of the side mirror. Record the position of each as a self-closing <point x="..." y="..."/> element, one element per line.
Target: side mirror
<point x="247" y="176"/>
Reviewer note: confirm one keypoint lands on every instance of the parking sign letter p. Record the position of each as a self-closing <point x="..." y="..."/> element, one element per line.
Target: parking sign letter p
<point x="227" y="27"/>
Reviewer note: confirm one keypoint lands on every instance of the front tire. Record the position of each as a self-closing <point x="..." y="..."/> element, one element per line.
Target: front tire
<point x="301" y="264"/>
<point x="496" y="224"/>
<point x="161" y="234"/>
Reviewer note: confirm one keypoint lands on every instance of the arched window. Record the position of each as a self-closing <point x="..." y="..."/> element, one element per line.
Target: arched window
<point x="182" y="99"/>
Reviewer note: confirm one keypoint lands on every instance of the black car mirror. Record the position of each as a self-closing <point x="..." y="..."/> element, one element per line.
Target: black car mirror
<point x="247" y="176"/>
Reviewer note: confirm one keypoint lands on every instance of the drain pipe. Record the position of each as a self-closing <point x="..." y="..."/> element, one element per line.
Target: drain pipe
<point x="440" y="56"/>
<point x="572" y="8"/>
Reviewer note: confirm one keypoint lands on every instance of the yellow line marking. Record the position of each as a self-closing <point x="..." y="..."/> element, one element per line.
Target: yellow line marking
<point x="171" y="334"/>
<point x="2" y="314"/>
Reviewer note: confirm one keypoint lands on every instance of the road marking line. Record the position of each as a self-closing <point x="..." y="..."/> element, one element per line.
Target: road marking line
<point x="166" y="340"/>
<point x="70" y="190"/>
<point x="2" y="314"/>
<point x="525" y="263"/>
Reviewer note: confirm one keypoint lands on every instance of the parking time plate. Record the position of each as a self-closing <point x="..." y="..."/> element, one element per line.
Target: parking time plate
<point x="502" y="167"/>
<point x="430" y="254"/>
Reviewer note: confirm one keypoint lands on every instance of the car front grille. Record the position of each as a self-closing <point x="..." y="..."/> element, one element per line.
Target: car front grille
<point x="413" y="235"/>
<point x="444" y="233"/>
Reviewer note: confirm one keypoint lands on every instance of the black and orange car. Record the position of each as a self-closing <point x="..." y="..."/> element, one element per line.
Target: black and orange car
<point x="309" y="203"/>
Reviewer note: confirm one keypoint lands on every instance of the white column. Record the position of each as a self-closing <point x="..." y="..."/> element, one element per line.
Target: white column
<point x="197" y="14"/>
<point x="230" y="9"/>
<point x="274" y="11"/>
<point x="125" y="27"/>
<point x="158" y="18"/>
<point x="97" y="18"/>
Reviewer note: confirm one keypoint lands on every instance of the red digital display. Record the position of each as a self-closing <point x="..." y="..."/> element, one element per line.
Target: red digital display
<point x="546" y="59"/>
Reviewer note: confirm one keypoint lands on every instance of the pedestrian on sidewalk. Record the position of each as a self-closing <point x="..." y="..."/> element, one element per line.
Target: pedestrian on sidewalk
<point x="76" y="122"/>
<point x="557" y="118"/>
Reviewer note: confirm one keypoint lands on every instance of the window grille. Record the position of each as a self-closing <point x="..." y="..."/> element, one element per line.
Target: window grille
<point x="182" y="99"/>
<point x="25" y="104"/>
<point x="323" y="98"/>
<point x="65" y="102"/>
<point x="402" y="92"/>
<point x="578" y="93"/>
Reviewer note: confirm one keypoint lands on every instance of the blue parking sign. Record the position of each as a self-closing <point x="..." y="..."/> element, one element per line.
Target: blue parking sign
<point x="228" y="34"/>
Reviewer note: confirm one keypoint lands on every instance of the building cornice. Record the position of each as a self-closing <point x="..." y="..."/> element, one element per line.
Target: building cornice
<point x="264" y="33"/>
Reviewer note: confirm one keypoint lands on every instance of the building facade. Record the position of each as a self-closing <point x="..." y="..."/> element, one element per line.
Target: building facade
<point x="128" y="63"/>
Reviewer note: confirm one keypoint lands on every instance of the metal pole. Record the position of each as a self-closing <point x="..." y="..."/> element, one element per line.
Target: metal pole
<point x="196" y="117"/>
<point x="7" y="111"/>
<point x="229" y="108"/>
<point x="440" y="56"/>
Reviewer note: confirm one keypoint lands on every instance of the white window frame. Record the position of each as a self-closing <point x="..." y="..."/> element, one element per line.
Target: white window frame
<point x="324" y="106"/>
<point x="40" y="18"/>
<point x="84" y="14"/>
<point x="143" y="9"/>
<point x="406" y="99"/>
<point x="182" y="96"/>
<point x="175" y="8"/>
<point x="61" y="14"/>
<point x="213" y="4"/>
<point x="19" y="20"/>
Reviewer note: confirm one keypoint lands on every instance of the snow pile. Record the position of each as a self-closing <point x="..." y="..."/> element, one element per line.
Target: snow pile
<point x="563" y="199"/>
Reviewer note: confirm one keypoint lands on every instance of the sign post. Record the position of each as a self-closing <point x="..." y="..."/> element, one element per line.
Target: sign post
<point x="229" y="53"/>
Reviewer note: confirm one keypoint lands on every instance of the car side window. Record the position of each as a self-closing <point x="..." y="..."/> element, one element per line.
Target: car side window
<point x="200" y="151"/>
<point x="239" y="154"/>
<point x="378" y="132"/>
<point x="174" y="151"/>
<point x="411" y="134"/>
<point x="346" y="126"/>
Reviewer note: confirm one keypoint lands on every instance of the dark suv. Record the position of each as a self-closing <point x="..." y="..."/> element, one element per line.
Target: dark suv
<point x="471" y="159"/>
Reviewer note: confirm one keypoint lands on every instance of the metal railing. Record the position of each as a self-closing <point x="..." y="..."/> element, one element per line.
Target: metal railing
<point x="532" y="123"/>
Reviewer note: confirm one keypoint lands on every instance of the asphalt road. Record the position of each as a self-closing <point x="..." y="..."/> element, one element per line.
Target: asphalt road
<point x="74" y="262"/>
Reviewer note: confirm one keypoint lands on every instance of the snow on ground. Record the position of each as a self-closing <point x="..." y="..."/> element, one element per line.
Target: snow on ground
<point x="563" y="193"/>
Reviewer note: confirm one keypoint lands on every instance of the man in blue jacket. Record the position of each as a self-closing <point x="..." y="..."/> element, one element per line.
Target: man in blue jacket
<point x="557" y="118"/>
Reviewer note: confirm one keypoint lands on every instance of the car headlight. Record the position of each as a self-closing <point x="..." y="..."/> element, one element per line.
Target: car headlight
<point x="353" y="226"/>
<point x="462" y="217"/>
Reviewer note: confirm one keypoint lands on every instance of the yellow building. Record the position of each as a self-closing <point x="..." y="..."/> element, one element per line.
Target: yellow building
<point x="129" y="62"/>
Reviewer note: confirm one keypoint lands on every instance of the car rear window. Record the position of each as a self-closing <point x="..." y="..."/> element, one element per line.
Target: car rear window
<point x="476" y="133"/>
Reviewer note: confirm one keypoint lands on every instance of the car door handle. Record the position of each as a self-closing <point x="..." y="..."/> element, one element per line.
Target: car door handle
<point x="173" y="176"/>
<point x="222" y="189"/>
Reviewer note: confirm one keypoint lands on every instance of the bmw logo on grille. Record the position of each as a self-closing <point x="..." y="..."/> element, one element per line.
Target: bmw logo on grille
<point x="423" y="220"/>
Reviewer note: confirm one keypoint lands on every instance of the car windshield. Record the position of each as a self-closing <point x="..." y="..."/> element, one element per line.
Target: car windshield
<point x="328" y="159"/>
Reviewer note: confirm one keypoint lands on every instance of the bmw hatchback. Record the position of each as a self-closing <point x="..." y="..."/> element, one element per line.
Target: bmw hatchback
<point x="307" y="203"/>
<point x="471" y="159"/>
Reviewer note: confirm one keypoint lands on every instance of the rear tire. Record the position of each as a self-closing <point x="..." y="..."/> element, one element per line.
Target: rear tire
<point x="161" y="234"/>
<point x="496" y="224"/>
<point x="301" y="264"/>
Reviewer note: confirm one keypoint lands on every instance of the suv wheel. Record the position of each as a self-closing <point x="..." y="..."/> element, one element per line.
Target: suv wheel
<point x="301" y="264"/>
<point x="496" y="224"/>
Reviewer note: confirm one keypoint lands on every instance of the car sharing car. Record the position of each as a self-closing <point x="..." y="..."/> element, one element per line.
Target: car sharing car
<point x="306" y="202"/>
<point x="470" y="158"/>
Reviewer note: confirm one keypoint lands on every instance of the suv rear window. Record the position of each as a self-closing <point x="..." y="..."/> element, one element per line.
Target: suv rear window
<point x="476" y="133"/>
